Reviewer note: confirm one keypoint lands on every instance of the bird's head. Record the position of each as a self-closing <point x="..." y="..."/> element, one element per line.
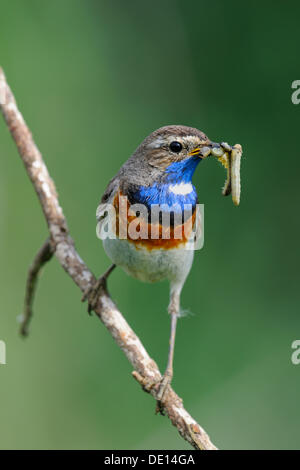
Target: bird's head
<point x="171" y="154"/>
<point x="175" y="147"/>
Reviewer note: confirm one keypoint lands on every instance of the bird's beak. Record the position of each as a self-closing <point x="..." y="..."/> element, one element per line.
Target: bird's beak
<point x="230" y="158"/>
<point x="202" y="152"/>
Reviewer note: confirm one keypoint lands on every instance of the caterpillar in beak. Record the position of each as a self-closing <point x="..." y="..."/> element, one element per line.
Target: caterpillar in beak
<point x="230" y="158"/>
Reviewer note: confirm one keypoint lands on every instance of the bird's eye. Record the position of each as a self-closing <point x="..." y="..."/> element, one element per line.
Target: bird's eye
<point x="175" y="146"/>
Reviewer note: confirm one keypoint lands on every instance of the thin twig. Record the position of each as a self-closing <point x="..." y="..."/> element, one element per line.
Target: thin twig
<point x="44" y="254"/>
<point x="146" y="370"/>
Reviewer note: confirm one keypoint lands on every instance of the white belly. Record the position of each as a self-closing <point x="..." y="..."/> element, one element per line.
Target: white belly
<point x="150" y="265"/>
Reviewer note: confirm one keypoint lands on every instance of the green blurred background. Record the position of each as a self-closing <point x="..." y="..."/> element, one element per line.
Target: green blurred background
<point x="92" y="79"/>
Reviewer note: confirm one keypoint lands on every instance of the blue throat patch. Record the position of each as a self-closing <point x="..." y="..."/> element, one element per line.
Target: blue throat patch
<point x="182" y="172"/>
<point x="159" y="193"/>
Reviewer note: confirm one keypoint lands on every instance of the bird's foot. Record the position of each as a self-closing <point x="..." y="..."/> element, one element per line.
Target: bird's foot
<point x="160" y="386"/>
<point x="163" y="386"/>
<point x="92" y="294"/>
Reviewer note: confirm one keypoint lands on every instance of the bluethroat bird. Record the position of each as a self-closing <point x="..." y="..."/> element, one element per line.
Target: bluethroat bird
<point x="159" y="174"/>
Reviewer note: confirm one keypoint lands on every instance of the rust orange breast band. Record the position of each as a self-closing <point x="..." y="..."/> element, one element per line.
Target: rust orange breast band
<point x="136" y="228"/>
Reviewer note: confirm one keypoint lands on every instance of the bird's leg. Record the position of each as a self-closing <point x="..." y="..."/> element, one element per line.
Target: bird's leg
<point x="92" y="294"/>
<point x="174" y="309"/>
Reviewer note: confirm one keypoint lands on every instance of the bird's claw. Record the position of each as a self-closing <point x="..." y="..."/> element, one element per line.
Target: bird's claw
<point x="163" y="386"/>
<point x="92" y="294"/>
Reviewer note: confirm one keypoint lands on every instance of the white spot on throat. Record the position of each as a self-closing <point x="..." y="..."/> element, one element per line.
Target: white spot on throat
<point x="181" y="189"/>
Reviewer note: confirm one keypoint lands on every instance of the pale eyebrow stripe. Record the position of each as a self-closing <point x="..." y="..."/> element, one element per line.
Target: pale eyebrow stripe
<point x="159" y="141"/>
<point x="156" y="143"/>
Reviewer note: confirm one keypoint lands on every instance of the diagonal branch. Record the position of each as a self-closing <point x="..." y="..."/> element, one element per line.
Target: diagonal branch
<point x="146" y="370"/>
